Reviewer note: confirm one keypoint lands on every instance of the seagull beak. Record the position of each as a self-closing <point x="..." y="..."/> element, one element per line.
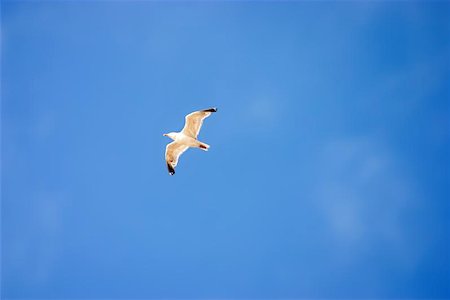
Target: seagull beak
<point x="164" y="134"/>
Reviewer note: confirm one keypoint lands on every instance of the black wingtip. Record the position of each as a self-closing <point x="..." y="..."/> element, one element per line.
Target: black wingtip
<point x="171" y="169"/>
<point x="212" y="109"/>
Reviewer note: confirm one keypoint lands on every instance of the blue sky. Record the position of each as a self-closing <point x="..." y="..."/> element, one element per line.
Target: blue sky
<point x="327" y="177"/>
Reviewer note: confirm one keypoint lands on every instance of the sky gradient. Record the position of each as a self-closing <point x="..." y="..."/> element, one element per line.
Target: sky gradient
<point x="327" y="176"/>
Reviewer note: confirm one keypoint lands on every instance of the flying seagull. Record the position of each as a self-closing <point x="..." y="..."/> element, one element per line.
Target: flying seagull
<point x="186" y="138"/>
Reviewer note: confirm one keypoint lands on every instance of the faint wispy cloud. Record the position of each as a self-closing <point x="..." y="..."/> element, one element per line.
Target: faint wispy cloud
<point x="365" y="195"/>
<point x="33" y="256"/>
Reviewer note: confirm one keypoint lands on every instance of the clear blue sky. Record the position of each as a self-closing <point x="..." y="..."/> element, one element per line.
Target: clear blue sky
<point x="328" y="173"/>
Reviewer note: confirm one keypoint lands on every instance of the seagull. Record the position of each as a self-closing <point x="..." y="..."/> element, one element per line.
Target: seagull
<point x="186" y="138"/>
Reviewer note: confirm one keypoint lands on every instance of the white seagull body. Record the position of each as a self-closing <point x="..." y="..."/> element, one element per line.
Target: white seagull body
<point x="186" y="138"/>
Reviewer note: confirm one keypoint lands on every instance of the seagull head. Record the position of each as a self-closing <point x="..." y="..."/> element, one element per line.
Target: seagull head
<point x="172" y="135"/>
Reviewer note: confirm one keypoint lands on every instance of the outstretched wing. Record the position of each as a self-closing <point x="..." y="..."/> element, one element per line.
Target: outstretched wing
<point x="194" y="121"/>
<point x="173" y="152"/>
